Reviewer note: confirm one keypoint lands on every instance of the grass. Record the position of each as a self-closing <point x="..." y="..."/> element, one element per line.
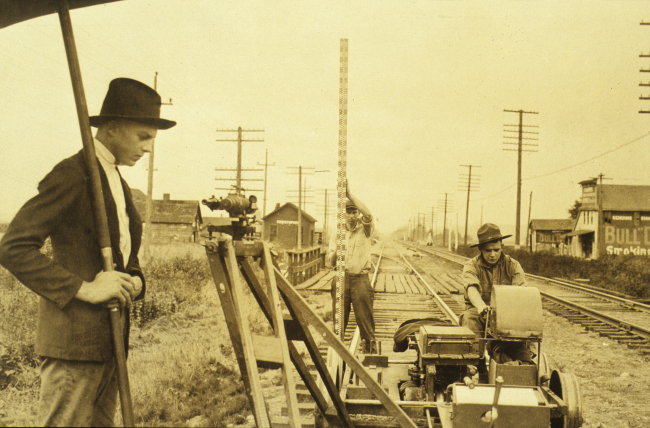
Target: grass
<point x="181" y="362"/>
<point x="182" y="368"/>
<point x="19" y="380"/>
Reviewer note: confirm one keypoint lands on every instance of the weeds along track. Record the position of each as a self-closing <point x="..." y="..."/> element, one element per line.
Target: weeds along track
<point x="609" y="314"/>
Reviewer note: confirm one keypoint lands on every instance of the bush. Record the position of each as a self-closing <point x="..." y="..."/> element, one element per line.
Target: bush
<point x="164" y="296"/>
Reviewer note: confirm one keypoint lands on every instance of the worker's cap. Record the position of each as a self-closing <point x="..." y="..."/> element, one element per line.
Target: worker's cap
<point x="349" y="204"/>
<point x="489" y="232"/>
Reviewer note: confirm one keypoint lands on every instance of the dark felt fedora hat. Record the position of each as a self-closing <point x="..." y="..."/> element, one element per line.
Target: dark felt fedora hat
<point x="489" y="232"/>
<point x="132" y="100"/>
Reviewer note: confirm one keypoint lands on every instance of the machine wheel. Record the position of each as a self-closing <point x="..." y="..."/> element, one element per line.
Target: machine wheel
<point x="565" y="386"/>
<point x="546" y="366"/>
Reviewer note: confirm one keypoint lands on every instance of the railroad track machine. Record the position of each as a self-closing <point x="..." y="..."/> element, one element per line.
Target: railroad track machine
<point x="447" y="380"/>
<point x="444" y="385"/>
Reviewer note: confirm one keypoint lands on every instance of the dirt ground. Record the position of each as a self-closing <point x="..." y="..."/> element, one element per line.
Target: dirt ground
<point x="614" y="380"/>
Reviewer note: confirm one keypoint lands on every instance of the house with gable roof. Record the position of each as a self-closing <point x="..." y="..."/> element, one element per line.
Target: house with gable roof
<point x="172" y="221"/>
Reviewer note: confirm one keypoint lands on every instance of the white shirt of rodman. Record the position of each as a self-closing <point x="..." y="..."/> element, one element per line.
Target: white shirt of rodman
<point x="107" y="160"/>
<point x="357" y="247"/>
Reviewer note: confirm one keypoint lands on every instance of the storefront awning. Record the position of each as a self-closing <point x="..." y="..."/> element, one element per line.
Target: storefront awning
<point x="578" y="232"/>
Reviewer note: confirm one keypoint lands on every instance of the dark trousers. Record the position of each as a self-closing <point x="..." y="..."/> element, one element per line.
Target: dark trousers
<point x="77" y="393"/>
<point x="359" y="294"/>
<point x="501" y="351"/>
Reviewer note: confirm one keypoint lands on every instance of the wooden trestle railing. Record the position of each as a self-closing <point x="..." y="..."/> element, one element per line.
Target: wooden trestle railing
<point x="303" y="264"/>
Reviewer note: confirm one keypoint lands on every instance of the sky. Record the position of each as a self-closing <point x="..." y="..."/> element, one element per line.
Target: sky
<point x="428" y="85"/>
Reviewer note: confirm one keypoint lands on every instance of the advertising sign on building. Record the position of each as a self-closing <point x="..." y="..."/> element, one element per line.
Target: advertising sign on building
<point x="588" y="196"/>
<point x="627" y="233"/>
<point x="550" y="237"/>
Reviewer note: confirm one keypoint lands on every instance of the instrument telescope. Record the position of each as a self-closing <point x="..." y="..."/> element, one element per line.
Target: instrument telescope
<point x="240" y="210"/>
<point x="235" y="205"/>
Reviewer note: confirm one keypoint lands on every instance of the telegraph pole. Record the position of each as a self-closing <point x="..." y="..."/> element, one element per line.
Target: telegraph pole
<point x="519" y="150"/>
<point x="433" y="233"/>
<point x="644" y="70"/>
<point x="444" y="206"/>
<point x="266" y="167"/>
<point x="238" y="186"/>
<point x="326" y="208"/>
<point x="300" y="195"/>
<point x="423" y="225"/>
<point x="149" y="209"/>
<point x="600" y="248"/>
<point x="468" y="177"/>
<point x="530" y="204"/>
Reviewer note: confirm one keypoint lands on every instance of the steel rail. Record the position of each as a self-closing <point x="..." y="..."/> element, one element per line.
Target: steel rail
<point x="446" y="309"/>
<point x="599" y="316"/>
<point x="606" y="319"/>
<point x="627" y="303"/>
<point x="631" y="304"/>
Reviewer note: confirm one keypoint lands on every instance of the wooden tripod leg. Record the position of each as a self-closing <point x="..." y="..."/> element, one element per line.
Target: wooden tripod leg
<point x="300" y="305"/>
<point x="321" y="367"/>
<point x="297" y="360"/>
<point x="277" y="321"/>
<point x="318" y="361"/>
<point x="226" y="278"/>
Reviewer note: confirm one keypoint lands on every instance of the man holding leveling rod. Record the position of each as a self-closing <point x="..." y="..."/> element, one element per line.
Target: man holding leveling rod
<point x="357" y="290"/>
<point x="78" y="375"/>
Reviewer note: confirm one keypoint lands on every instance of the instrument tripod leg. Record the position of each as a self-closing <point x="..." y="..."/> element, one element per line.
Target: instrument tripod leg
<point x="223" y="264"/>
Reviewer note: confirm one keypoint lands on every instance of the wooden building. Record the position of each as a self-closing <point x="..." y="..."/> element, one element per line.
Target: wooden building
<point x="625" y="221"/>
<point x="549" y="235"/>
<point x="172" y="221"/>
<point x="281" y="227"/>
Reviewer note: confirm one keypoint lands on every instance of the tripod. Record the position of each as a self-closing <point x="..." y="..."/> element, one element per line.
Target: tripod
<point x="227" y="260"/>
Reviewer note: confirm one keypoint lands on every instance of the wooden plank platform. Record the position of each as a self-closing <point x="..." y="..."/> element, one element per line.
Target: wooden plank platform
<point x="395" y="283"/>
<point x="444" y="283"/>
<point x="319" y="282"/>
<point x="380" y="286"/>
<point x="454" y="282"/>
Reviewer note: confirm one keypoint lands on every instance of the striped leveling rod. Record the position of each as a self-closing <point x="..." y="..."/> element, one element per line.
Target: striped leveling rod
<point x="341" y="187"/>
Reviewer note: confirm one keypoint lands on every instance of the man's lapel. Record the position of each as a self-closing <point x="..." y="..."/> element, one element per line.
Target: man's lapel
<point x="111" y="216"/>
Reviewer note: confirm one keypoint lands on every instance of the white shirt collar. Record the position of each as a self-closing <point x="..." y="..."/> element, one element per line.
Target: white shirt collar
<point x="103" y="154"/>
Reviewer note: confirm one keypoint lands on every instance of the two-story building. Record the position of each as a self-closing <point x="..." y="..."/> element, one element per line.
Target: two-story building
<point x="625" y="221"/>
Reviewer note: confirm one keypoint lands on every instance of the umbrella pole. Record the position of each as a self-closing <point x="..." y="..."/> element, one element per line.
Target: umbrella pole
<point x="99" y="208"/>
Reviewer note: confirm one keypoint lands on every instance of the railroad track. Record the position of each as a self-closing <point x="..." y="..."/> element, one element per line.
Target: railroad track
<point x="406" y="287"/>
<point x="401" y="294"/>
<point x="610" y="315"/>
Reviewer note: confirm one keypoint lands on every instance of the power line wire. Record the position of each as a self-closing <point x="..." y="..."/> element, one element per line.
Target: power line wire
<point x="570" y="166"/>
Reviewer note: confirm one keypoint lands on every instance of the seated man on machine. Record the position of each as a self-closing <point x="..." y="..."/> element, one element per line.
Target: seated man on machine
<point x="480" y="274"/>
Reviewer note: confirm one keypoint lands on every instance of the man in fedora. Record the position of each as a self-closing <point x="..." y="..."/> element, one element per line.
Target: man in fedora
<point x="480" y="273"/>
<point x="78" y="378"/>
<point x="357" y="291"/>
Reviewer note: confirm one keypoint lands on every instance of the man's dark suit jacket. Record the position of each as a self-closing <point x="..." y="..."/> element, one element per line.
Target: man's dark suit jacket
<point x="69" y="328"/>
